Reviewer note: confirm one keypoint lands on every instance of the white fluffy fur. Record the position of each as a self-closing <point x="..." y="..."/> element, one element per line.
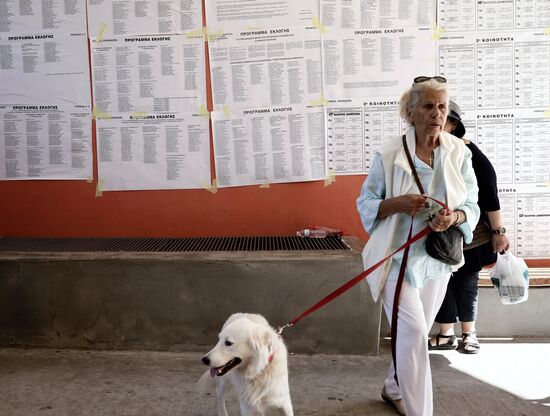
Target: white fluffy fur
<point x="262" y="387"/>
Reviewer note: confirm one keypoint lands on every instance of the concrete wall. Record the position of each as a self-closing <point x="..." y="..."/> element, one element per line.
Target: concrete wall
<point x="527" y="319"/>
<point x="180" y="301"/>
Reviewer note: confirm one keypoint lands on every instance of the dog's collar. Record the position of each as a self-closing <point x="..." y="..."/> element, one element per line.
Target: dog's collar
<point x="269" y="360"/>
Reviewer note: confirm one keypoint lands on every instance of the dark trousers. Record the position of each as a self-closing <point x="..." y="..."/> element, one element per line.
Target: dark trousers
<point x="460" y="303"/>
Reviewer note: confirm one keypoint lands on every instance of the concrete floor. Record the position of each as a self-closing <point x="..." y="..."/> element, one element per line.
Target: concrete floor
<point x="510" y="378"/>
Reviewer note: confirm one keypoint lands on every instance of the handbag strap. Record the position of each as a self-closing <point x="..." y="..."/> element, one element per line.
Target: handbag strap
<point x="417" y="179"/>
<point x="409" y="158"/>
<point x="397" y="294"/>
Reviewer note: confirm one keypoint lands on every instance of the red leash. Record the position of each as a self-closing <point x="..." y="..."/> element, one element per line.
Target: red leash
<point x="348" y="285"/>
<point x="395" y="309"/>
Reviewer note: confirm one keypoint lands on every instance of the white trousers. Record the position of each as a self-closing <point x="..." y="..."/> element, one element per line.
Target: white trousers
<point x="417" y="311"/>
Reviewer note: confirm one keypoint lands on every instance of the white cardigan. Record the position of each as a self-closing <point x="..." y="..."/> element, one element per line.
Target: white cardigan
<point x="399" y="181"/>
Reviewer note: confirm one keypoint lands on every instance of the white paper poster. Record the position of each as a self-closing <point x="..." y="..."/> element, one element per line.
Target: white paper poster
<point x="517" y="142"/>
<point x="269" y="145"/>
<point x="37" y="16"/>
<point x="510" y="70"/>
<point x="375" y="62"/>
<point x="132" y="17"/>
<point x="491" y="15"/>
<point x="45" y="142"/>
<point x="266" y="67"/>
<point x="153" y="151"/>
<point x="356" y="130"/>
<point x="44" y="68"/>
<point x="148" y="73"/>
<point x="226" y="15"/>
<point x="356" y="14"/>
<point x="526" y="216"/>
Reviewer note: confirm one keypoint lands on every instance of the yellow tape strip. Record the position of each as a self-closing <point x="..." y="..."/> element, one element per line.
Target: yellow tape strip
<point x="203" y="111"/>
<point x="212" y="188"/>
<point x="210" y="35"/>
<point x="437" y="32"/>
<point x="547" y="31"/>
<point x="227" y="111"/>
<point x="330" y="179"/>
<point x="547" y="112"/>
<point x="97" y="114"/>
<point x="205" y="33"/>
<point x="264" y="185"/>
<point x="318" y="25"/>
<point x="101" y="33"/>
<point x="197" y="33"/>
<point x="139" y="114"/>
<point x="99" y="188"/>
<point x="321" y="101"/>
<point x="89" y="180"/>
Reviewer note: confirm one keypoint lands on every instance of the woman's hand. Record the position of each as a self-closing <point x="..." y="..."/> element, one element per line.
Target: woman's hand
<point x="443" y="220"/>
<point x="500" y="243"/>
<point x="409" y="204"/>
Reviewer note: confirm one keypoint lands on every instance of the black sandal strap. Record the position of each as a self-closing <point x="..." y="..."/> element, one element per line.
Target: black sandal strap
<point x="443" y="342"/>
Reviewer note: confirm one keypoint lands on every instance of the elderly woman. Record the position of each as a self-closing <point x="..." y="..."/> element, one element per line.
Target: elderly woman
<point x="389" y="201"/>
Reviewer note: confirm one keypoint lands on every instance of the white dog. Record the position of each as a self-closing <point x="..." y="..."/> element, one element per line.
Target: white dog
<point x="253" y="358"/>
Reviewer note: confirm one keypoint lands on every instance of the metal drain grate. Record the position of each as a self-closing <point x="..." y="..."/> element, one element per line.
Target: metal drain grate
<point x="161" y="244"/>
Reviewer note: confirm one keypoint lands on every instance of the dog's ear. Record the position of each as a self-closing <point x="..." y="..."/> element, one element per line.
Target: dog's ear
<point x="262" y="341"/>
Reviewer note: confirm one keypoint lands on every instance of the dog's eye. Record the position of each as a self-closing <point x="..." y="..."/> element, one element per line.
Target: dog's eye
<point x="228" y="343"/>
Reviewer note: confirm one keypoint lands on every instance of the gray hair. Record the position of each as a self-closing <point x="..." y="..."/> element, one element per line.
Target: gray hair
<point x="410" y="97"/>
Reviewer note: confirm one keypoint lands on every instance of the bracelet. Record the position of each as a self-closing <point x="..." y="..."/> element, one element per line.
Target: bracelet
<point x="457" y="220"/>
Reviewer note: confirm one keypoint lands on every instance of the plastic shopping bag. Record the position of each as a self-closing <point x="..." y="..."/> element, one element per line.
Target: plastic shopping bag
<point x="510" y="277"/>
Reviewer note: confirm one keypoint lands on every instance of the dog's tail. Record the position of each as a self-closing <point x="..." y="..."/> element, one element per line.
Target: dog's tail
<point x="206" y="384"/>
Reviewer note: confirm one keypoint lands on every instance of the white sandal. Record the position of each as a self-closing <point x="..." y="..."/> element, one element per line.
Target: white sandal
<point x="470" y="344"/>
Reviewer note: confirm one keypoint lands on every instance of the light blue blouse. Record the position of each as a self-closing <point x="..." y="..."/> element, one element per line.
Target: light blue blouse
<point x="420" y="266"/>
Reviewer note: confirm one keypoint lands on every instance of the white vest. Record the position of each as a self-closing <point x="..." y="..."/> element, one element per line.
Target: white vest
<point x="399" y="181"/>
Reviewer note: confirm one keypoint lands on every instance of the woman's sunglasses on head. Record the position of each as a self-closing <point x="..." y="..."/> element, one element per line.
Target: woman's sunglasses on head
<point x="438" y="78"/>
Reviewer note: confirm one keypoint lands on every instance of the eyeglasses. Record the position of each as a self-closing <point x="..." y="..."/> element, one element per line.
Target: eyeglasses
<point x="438" y="78"/>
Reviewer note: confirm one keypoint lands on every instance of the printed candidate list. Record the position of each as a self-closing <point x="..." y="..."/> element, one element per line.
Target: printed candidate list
<point x="139" y="17"/>
<point x="44" y="68"/>
<point x="229" y="15"/>
<point x="266" y="67"/>
<point x="356" y="14"/>
<point x="375" y="62"/>
<point x="269" y="145"/>
<point x="148" y="73"/>
<point x="45" y="141"/>
<point x="37" y="16"/>
<point x="153" y="151"/>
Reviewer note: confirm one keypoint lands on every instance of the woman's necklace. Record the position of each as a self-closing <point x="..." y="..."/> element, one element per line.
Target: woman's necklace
<point x="429" y="160"/>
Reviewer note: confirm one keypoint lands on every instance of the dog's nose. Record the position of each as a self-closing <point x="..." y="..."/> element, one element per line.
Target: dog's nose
<point x="206" y="360"/>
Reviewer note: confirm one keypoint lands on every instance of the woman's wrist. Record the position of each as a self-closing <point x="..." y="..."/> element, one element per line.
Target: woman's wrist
<point x="457" y="221"/>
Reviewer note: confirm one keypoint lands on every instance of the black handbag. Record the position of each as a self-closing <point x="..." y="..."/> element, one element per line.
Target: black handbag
<point x="445" y="246"/>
